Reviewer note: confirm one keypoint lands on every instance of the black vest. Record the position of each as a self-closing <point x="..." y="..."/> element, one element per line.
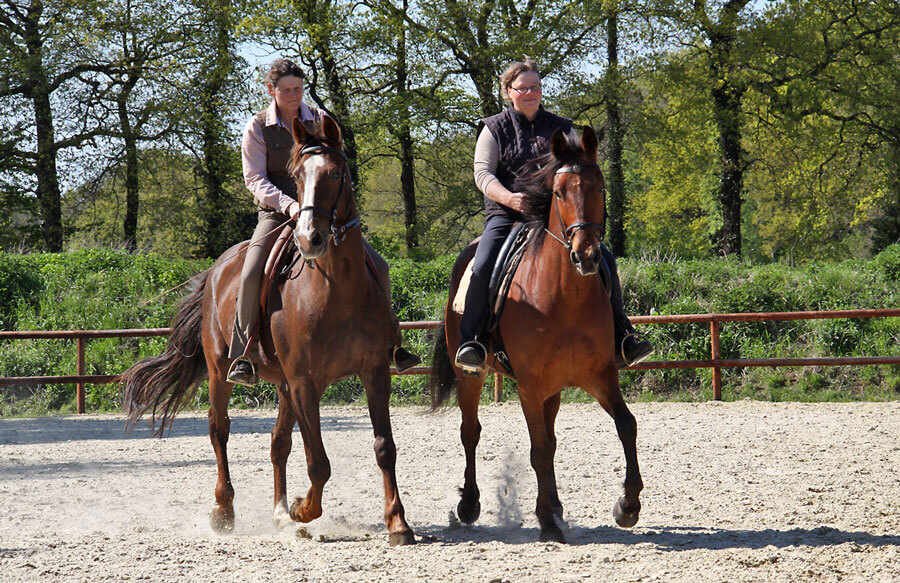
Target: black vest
<point x="519" y="140"/>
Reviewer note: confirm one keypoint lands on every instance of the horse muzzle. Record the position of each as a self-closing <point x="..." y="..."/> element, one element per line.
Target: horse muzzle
<point x="586" y="263"/>
<point x="311" y="242"/>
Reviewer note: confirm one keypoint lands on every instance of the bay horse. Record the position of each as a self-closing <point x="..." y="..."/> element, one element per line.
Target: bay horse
<point x="556" y="326"/>
<point x="334" y="322"/>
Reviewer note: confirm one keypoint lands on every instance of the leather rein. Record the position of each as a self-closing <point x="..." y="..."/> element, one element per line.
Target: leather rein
<point x="338" y="232"/>
<point x="568" y="231"/>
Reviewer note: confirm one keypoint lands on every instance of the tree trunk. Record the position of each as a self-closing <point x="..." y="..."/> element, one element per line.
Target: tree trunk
<point x="215" y="165"/>
<point x="615" y="183"/>
<point x="132" y="195"/>
<point x="45" y="170"/>
<point x="407" y="157"/>
<point x="727" y="95"/>
<point x="727" y="113"/>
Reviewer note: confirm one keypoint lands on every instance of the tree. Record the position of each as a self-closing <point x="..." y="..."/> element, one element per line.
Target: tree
<point x="615" y="179"/>
<point x="139" y="56"/>
<point x="37" y="42"/>
<point x="837" y="60"/>
<point x="215" y="89"/>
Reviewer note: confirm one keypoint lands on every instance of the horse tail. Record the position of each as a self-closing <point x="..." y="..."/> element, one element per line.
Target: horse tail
<point x="443" y="379"/>
<point x="166" y="382"/>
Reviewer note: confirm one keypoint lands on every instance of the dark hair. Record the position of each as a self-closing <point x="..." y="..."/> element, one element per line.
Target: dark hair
<point x="283" y="68"/>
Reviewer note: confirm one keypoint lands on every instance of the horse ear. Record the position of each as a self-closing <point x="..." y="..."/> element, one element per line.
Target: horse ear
<point x="301" y="136"/>
<point x="559" y="143"/>
<point x="589" y="142"/>
<point x="331" y="131"/>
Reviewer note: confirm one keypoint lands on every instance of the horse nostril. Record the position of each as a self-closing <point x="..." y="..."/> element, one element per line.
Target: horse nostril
<point x="573" y="255"/>
<point x="316" y="239"/>
<point x="595" y="256"/>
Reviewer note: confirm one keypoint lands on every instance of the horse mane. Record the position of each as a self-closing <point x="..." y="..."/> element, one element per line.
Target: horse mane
<point x="535" y="180"/>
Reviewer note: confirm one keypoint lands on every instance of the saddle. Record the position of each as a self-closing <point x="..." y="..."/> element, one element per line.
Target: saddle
<point x="501" y="278"/>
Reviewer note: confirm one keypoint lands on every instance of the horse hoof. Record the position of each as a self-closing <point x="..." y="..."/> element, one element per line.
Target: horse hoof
<point x="468" y="513"/>
<point x="222" y="519"/>
<point x="398" y="539"/>
<point x="299" y="514"/>
<point x="552" y="534"/>
<point x="625" y="518"/>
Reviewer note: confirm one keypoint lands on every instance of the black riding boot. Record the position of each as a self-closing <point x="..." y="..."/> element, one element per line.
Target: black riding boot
<point x="631" y="347"/>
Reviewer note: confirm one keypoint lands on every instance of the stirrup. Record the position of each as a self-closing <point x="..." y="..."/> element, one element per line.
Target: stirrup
<point x="240" y="378"/>
<point x="471" y="369"/>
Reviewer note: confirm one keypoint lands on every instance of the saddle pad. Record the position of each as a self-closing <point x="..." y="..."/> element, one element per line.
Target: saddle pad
<point x="459" y="300"/>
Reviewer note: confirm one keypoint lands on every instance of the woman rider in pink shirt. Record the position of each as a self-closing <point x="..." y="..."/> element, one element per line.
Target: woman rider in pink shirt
<point x="265" y="151"/>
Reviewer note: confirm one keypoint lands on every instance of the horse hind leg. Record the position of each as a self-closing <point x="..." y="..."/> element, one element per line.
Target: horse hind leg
<point x="377" y="381"/>
<point x="222" y="516"/>
<point x="281" y="449"/>
<point x="469" y="393"/>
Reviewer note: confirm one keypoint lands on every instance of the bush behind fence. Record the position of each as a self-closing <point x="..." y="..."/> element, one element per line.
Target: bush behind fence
<point x="111" y="289"/>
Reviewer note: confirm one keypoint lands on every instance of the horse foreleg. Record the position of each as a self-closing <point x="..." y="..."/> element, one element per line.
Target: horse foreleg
<point x="281" y="449"/>
<point x="469" y="393"/>
<point x="551" y="409"/>
<point x="222" y="516"/>
<point x="540" y="417"/>
<point x="627" y="508"/>
<point x="305" y="401"/>
<point x="378" y="385"/>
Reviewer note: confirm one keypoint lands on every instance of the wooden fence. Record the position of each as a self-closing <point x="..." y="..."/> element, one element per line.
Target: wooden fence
<point x="716" y="363"/>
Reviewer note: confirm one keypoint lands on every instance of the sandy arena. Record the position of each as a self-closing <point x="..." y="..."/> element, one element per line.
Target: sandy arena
<point x="734" y="492"/>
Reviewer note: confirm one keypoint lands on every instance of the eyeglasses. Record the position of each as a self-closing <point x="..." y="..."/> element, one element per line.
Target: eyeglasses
<point x="527" y="89"/>
<point x="290" y="90"/>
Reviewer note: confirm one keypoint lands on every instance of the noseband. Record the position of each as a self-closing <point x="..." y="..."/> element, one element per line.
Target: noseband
<point x="568" y="231"/>
<point x="338" y="233"/>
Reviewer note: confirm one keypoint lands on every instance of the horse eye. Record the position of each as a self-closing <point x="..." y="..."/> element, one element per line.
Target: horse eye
<point x="336" y="175"/>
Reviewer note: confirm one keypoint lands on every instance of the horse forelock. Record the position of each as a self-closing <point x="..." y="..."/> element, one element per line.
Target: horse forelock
<point x="294" y="164"/>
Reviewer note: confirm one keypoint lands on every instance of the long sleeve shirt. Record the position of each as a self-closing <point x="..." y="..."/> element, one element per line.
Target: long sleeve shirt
<point x="254" y="155"/>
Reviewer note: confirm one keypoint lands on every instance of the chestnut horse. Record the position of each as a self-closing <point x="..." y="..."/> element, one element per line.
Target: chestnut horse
<point x="334" y="322"/>
<point x="556" y="327"/>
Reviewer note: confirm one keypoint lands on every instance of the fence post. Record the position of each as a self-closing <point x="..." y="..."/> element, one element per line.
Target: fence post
<point x="79" y="392"/>
<point x="716" y="371"/>
<point x="498" y="386"/>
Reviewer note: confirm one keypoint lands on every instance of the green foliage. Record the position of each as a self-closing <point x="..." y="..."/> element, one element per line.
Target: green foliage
<point x="98" y="289"/>
<point x="89" y="289"/>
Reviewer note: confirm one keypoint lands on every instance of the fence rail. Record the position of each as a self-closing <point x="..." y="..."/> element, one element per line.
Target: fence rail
<point x="715" y="362"/>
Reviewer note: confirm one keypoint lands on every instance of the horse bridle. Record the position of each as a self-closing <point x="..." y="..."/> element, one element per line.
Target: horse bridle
<point x="338" y="233"/>
<point x="568" y="231"/>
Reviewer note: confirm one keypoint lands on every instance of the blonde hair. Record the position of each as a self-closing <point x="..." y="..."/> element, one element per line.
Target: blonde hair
<point x="513" y="70"/>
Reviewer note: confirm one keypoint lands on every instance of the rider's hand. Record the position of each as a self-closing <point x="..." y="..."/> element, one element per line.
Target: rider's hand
<point x="294" y="210"/>
<point x="516" y="201"/>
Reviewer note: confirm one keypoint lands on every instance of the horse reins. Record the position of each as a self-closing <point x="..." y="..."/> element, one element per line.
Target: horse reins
<point x="568" y="231"/>
<point x="338" y="233"/>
